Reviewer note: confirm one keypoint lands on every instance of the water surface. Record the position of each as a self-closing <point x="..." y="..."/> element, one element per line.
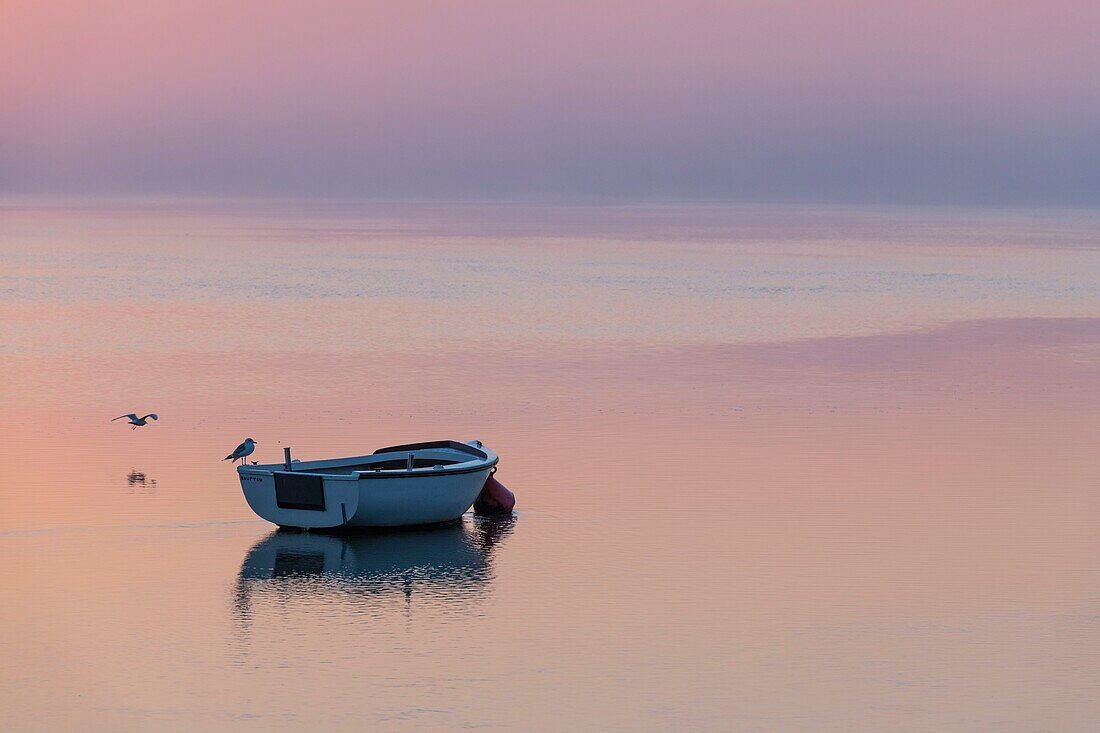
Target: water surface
<point x="778" y="468"/>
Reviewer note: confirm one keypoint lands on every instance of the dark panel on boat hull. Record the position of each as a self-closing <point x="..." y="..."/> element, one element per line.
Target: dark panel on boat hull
<point x="299" y="491"/>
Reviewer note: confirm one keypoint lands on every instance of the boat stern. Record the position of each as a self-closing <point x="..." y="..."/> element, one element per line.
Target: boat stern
<point x="305" y="500"/>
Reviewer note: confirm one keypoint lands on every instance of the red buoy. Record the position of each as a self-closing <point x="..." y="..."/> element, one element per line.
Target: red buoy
<point x="494" y="498"/>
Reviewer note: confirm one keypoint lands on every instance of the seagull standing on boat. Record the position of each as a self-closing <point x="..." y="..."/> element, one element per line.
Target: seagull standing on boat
<point x="242" y="451"/>
<point x="136" y="421"/>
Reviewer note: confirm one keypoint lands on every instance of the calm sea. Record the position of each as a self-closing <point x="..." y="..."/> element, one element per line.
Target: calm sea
<point x="777" y="468"/>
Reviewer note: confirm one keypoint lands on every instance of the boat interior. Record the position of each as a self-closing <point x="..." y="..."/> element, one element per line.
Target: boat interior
<point x="389" y="464"/>
<point x="394" y="458"/>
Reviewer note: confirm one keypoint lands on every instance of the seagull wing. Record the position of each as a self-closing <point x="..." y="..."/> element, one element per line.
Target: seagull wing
<point x="236" y="453"/>
<point x="152" y="415"/>
<point x="131" y="416"/>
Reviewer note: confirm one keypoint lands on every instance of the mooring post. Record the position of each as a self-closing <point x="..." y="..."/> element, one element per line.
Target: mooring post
<point x="286" y="459"/>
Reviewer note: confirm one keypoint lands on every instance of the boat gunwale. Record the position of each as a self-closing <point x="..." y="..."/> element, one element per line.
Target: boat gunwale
<point x="483" y="459"/>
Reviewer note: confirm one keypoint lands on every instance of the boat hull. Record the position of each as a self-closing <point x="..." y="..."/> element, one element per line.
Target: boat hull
<point x="311" y="499"/>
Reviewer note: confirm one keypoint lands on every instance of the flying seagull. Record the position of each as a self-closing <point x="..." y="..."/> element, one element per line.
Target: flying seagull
<point x="242" y="451"/>
<point x="136" y="421"/>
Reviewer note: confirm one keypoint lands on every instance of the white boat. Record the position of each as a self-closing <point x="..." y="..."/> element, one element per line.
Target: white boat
<point x="403" y="485"/>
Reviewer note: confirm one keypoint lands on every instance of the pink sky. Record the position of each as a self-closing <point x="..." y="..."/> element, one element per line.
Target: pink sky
<point x="851" y="99"/>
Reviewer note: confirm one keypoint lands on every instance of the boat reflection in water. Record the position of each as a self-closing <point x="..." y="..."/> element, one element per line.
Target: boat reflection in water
<point x="449" y="563"/>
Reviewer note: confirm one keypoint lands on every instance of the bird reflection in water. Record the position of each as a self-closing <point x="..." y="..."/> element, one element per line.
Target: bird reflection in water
<point x="446" y="564"/>
<point x="139" y="483"/>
